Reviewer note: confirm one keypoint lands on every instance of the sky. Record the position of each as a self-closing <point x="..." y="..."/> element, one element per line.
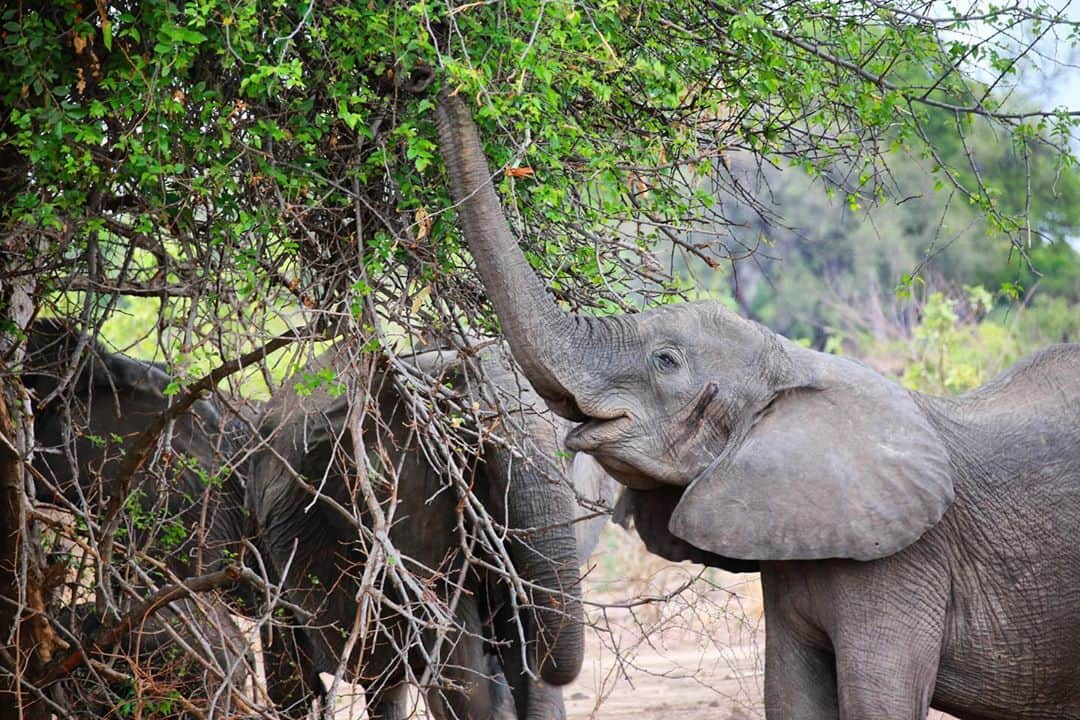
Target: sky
<point x="1051" y="77"/>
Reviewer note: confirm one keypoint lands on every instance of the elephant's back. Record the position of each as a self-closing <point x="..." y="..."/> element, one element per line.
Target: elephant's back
<point x="1043" y="385"/>
<point x="1012" y="542"/>
<point x="1016" y="439"/>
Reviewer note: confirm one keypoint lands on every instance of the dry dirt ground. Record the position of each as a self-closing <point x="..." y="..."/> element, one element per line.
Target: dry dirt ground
<point x="699" y="654"/>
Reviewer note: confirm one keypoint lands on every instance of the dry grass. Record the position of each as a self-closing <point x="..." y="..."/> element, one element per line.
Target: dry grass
<point x="696" y="648"/>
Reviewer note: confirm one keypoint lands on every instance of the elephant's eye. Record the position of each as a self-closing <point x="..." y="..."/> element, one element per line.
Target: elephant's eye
<point x="665" y="361"/>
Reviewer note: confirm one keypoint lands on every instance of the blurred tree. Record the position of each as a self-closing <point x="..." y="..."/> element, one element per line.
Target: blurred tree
<point x="831" y="267"/>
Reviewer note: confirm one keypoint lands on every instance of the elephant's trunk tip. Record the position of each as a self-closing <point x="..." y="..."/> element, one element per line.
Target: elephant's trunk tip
<point x="562" y="673"/>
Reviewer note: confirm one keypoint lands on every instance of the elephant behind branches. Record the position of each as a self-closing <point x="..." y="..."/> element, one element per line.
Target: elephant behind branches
<point x="176" y="517"/>
<point x="914" y="550"/>
<point x="445" y="562"/>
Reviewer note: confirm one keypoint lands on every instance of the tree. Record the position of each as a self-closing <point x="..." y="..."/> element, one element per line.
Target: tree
<point x="24" y="589"/>
<point x="230" y="171"/>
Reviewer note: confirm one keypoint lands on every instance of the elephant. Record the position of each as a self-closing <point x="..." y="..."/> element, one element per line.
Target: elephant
<point x="914" y="551"/>
<point x="82" y="434"/>
<point x="183" y="508"/>
<point x="84" y="429"/>
<point x="303" y="484"/>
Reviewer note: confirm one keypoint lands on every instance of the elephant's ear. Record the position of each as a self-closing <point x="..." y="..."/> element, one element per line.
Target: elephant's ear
<point x="847" y="466"/>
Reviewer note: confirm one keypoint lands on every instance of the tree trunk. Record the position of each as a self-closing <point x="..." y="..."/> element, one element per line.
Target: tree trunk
<point x="26" y="638"/>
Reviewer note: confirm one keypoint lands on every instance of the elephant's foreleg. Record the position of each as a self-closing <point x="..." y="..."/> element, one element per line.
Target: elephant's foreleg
<point x="471" y="697"/>
<point x="887" y="643"/>
<point x="886" y="673"/>
<point x="800" y="677"/>
<point x="800" y="680"/>
<point x="509" y="653"/>
<point x="533" y="698"/>
<point x="545" y="702"/>
<point x="389" y="704"/>
<point x="288" y="685"/>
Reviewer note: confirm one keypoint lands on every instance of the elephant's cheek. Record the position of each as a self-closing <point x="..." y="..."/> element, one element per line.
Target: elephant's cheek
<point x="695" y="455"/>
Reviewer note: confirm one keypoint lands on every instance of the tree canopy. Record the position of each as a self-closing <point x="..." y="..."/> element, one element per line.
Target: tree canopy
<point x="224" y="157"/>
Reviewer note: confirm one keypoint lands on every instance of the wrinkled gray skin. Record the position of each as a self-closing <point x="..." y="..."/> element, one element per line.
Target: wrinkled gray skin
<point x="914" y="550"/>
<point x="308" y="432"/>
<point x="81" y="433"/>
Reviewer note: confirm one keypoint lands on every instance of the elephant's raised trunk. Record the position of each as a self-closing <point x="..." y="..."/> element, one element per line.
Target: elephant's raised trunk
<point x="537" y="329"/>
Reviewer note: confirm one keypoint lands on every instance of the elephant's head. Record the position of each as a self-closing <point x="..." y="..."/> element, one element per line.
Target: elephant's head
<point x="784" y="452"/>
<point x="90" y="404"/>
<point x="310" y="433"/>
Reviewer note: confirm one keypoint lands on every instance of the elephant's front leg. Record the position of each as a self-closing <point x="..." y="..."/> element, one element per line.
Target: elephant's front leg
<point x="800" y="679"/>
<point x="886" y="668"/>
<point x="887" y="631"/>
<point x="466" y="670"/>
<point x="884" y="623"/>
<point x="800" y="674"/>
<point x="291" y="688"/>
<point x="389" y="703"/>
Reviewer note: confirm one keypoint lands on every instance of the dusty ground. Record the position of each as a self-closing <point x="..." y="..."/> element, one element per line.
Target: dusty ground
<point x="699" y="654"/>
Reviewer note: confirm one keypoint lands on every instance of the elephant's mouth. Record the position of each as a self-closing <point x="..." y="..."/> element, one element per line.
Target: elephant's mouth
<point x="611" y="442"/>
<point x="596" y="432"/>
<point x="644" y="456"/>
<point x="565" y="406"/>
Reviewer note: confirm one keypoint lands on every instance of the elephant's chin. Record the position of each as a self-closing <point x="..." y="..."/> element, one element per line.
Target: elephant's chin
<point x="632" y="472"/>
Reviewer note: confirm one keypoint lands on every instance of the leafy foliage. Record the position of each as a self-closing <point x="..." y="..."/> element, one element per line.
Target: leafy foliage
<point x="260" y="159"/>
